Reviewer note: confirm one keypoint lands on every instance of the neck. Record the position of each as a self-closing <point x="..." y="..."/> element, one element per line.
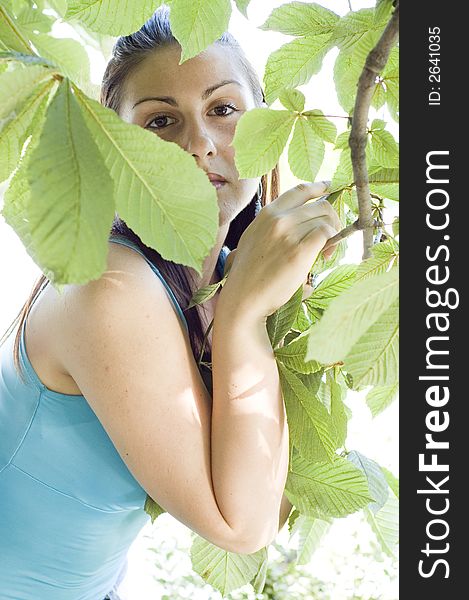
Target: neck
<point x="209" y="269"/>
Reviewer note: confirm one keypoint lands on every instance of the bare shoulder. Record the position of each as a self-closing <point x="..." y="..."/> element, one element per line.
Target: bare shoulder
<point x="115" y="309"/>
<point x="126" y="284"/>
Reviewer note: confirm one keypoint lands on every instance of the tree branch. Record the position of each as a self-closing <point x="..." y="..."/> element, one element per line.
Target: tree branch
<point x="375" y="63"/>
<point x="343" y="233"/>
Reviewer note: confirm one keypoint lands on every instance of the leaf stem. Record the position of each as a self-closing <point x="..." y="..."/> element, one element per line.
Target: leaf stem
<point x="205" y="341"/>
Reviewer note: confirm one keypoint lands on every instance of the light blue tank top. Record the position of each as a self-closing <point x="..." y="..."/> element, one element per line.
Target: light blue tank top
<point x="69" y="506"/>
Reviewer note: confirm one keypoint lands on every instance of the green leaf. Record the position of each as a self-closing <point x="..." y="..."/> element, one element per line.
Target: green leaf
<point x="380" y="397"/>
<point x="378" y="99"/>
<point x="292" y="520"/>
<point x="324" y="128"/>
<point x="11" y="35"/>
<point x="292" y="100"/>
<point x="332" y="395"/>
<point x="33" y="19"/>
<point x="167" y="200"/>
<point x="314" y="314"/>
<point x="69" y="55"/>
<point x="311" y="531"/>
<point x="310" y="426"/>
<point x="383" y="10"/>
<point x="342" y="201"/>
<point x="260" y="137"/>
<point x="258" y="582"/>
<point x="205" y="293"/>
<point x="225" y="571"/>
<point x="383" y="256"/>
<point x="17" y="85"/>
<point x="385" y="525"/>
<point x="354" y="26"/>
<point x="111" y="16"/>
<point x="16" y="202"/>
<point x="349" y="66"/>
<point x="374" y="358"/>
<point x="386" y="190"/>
<point x="292" y="355"/>
<point x="302" y="320"/>
<point x="378" y="125"/>
<point x="390" y="77"/>
<point x="340" y="279"/>
<point x="153" y="509"/>
<point x="71" y="195"/>
<point x="384" y="176"/>
<point x="385" y="149"/>
<point x="294" y="64"/>
<point x="350" y="315"/>
<point x="14" y="133"/>
<point x="341" y="142"/>
<point x="392" y="480"/>
<point x="343" y="175"/>
<point x="198" y="23"/>
<point x="60" y="6"/>
<point x="392" y="97"/>
<point x="311" y="381"/>
<point x="395" y="226"/>
<point x="279" y="323"/>
<point x="243" y="6"/>
<point x="377" y="483"/>
<point x="325" y="489"/>
<point x="301" y="19"/>
<point x="306" y="151"/>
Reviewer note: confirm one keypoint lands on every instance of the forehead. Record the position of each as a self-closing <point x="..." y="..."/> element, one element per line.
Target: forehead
<point x="160" y="72"/>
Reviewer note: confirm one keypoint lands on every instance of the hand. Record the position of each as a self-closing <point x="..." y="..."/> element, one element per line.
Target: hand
<point x="307" y="288"/>
<point x="276" y="252"/>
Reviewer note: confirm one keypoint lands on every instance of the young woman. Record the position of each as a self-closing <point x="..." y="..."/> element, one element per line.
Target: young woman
<point x="102" y="396"/>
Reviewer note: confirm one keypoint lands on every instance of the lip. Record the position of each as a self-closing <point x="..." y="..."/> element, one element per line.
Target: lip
<point x="216" y="178"/>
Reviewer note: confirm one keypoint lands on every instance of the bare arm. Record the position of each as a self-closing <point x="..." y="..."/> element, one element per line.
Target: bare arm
<point x="124" y="345"/>
<point x="285" y="510"/>
<point x="249" y="427"/>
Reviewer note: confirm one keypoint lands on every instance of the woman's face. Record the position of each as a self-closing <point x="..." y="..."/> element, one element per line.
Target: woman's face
<point x="196" y="105"/>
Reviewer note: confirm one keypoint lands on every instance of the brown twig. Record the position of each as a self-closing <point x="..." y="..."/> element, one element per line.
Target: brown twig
<point x="375" y="63"/>
<point x="343" y="233"/>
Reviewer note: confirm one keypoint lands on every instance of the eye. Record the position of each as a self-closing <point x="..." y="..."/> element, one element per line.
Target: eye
<point x="220" y="110"/>
<point x="161" y="121"/>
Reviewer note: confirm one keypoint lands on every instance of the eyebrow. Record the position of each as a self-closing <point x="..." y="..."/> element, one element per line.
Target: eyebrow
<point x="170" y="100"/>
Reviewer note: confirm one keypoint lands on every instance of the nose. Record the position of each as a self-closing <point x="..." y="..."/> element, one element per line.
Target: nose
<point x="199" y="142"/>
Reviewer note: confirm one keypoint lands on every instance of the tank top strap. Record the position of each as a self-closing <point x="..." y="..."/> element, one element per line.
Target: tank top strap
<point x="222" y="259"/>
<point x="126" y="242"/>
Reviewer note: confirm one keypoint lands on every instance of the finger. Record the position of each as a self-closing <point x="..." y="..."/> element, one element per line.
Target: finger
<point x="330" y="244"/>
<point x="300" y="194"/>
<point x="313" y="229"/>
<point x="327" y="253"/>
<point x="331" y="212"/>
<point x="318" y="209"/>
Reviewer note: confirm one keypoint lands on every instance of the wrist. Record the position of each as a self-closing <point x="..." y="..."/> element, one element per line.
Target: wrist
<point x="231" y="304"/>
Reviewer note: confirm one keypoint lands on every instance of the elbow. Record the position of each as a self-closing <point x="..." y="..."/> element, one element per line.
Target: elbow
<point x="249" y="544"/>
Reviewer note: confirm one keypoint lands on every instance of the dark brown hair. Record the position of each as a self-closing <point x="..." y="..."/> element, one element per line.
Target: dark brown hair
<point x="128" y="52"/>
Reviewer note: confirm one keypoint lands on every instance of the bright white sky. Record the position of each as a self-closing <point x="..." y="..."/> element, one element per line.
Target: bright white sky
<point x="375" y="438"/>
